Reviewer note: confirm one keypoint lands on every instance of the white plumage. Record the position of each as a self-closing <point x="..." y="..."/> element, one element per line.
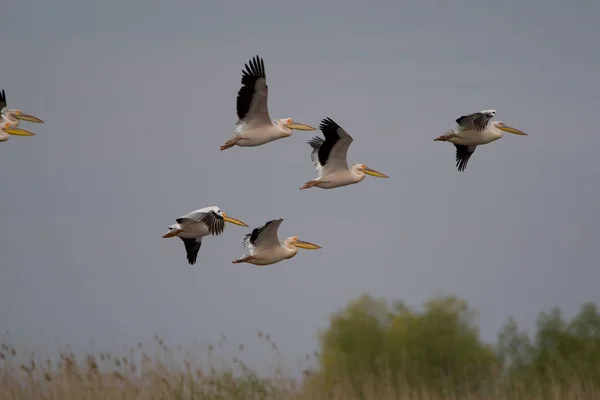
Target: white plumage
<point x="193" y="226"/>
<point x="329" y="159"/>
<point x="474" y="130"/>
<point x="265" y="247"/>
<point x="254" y="126"/>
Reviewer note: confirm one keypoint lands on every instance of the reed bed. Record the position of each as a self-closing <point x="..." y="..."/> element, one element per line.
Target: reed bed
<point x="167" y="376"/>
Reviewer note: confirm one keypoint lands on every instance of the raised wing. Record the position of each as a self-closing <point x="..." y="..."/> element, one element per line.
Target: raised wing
<point x="253" y="95"/>
<point x="316" y="144"/>
<point x="264" y="236"/>
<point x="330" y="154"/>
<point x="477" y="121"/>
<point x="2" y="100"/>
<point x="213" y="221"/>
<point x="463" y="153"/>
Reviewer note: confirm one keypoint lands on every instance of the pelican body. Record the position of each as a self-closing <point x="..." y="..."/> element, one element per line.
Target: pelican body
<point x="329" y="158"/>
<point x="193" y="226"/>
<point x="475" y="130"/>
<point x="254" y="126"/>
<point x="265" y="247"/>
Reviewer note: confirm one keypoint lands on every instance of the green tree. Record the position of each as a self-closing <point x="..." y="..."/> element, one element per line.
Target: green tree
<point x="354" y="343"/>
<point x="436" y="347"/>
<point x="560" y="351"/>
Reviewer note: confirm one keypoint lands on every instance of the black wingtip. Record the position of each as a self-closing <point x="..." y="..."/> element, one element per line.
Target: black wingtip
<point x="461" y="157"/>
<point x="255" y="68"/>
<point x="315" y="142"/>
<point x="328" y="123"/>
<point x="246" y="239"/>
<point x="192" y="248"/>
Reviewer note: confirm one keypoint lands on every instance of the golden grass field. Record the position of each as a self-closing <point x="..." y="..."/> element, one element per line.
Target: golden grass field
<point x="105" y="376"/>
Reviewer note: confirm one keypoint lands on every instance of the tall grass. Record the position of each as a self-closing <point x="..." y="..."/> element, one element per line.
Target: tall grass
<point x="164" y="376"/>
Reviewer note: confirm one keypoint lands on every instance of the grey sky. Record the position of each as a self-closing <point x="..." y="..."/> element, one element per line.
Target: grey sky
<point x="137" y="97"/>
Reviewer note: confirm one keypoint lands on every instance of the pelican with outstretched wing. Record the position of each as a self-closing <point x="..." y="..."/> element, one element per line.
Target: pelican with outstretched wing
<point x="265" y="247"/>
<point x="329" y="158"/>
<point x="13" y="116"/>
<point x="254" y="126"/>
<point x="475" y="130"/>
<point x="193" y="226"/>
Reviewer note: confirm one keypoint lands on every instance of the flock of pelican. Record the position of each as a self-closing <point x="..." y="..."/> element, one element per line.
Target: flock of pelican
<point x="255" y="128"/>
<point x="328" y="155"/>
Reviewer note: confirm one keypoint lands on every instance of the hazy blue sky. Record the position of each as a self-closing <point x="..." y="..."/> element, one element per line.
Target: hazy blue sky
<point x="137" y="97"/>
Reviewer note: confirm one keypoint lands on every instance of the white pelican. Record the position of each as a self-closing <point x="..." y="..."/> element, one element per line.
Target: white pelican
<point x="7" y="129"/>
<point x="12" y="116"/>
<point x="329" y="158"/>
<point x="254" y="126"/>
<point x="474" y="130"/>
<point x="193" y="226"/>
<point x="265" y="247"/>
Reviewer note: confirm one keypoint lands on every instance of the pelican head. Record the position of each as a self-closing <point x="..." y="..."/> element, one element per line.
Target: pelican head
<point x="500" y="125"/>
<point x="230" y="220"/>
<point x="11" y="130"/>
<point x="294" y="241"/>
<point x="290" y="124"/>
<point x="22" y="116"/>
<point x="363" y="168"/>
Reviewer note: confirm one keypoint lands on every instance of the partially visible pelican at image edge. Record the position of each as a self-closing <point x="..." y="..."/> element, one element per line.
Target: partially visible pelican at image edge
<point x="13" y="116"/>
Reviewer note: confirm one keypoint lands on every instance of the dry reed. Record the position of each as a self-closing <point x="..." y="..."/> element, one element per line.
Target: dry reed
<point x="104" y="376"/>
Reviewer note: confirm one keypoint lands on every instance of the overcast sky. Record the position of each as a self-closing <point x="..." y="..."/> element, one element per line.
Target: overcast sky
<point x="137" y="97"/>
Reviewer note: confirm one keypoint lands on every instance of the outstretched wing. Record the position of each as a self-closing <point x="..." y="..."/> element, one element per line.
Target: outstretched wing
<point x="213" y="221"/>
<point x="192" y="246"/>
<point x="264" y="236"/>
<point x="330" y="154"/>
<point x="463" y="153"/>
<point x="253" y="95"/>
<point x="477" y="121"/>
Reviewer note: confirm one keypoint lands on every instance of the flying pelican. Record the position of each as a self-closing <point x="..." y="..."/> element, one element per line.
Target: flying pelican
<point x="265" y="247"/>
<point x="474" y="130"/>
<point x="254" y="126"/>
<point x="193" y="226"/>
<point x="12" y="116"/>
<point x="329" y="158"/>
<point x="8" y="129"/>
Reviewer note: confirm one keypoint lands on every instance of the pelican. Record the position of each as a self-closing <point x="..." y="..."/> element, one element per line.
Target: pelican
<point x="13" y="116"/>
<point x="474" y="130"/>
<point x="8" y="129"/>
<point x="329" y="158"/>
<point x="254" y="126"/>
<point x="265" y="247"/>
<point x="193" y="226"/>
